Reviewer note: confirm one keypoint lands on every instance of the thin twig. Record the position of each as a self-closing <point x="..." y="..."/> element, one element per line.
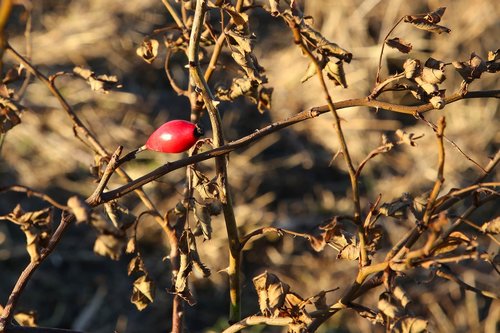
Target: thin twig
<point x="440" y="177"/>
<point x="377" y="78"/>
<point x="23" y="279"/>
<point x="32" y="193"/>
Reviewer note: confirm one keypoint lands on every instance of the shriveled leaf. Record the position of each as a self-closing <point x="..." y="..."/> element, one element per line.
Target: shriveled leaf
<point x="202" y="217"/>
<point x="274" y="4"/>
<point x="435" y="16"/>
<point x="452" y="242"/>
<point x="37" y="227"/>
<point x="271" y="293"/>
<point x="310" y="72"/>
<point x="99" y="83"/>
<point x="119" y="215"/>
<point x="397" y="208"/>
<point x="206" y="188"/>
<point x="399" y="44"/>
<point x="335" y="72"/>
<point x="248" y="62"/>
<point x="423" y="24"/>
<point x="10" y="114"/>
<point x="408" y="138"/>
<point x="401" y="295"/>
<point x="265" y="98"/>
<point x="243" y="43"/>
<point x="472" y="69"/>
<point x="148" y="50"/>
<point x="437" y="102"/>
<point x="410" y="325"/>
<point x="108" y="245"/>
<point x="412" y="68"/>
<point x="433" y="76"/>
<point x="435" y="64"/>
<point x="240" y="20"/>
<point x="136" y="265"/>
<point x="26" y="318"/>
<point x="80" y="209"/>
<point x="387" y="306"/>
<point x="143" y="292"/>
<point x="494" y="55"/>
<point x="491" y="227"/>
<point x="374" y="235"/>
<point x="194" y="256"/>
<point x="240" y="87"/>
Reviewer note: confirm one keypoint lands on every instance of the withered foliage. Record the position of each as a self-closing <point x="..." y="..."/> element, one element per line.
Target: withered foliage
<point x="438" y="237"/>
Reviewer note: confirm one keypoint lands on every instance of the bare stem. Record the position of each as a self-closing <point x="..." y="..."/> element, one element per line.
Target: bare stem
<point x="199" y="82"/>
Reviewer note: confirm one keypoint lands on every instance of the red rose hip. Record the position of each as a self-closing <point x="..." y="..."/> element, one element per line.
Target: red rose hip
<point x="174" y="136"/>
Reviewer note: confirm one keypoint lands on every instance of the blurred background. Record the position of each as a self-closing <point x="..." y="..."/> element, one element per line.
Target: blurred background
<point x="286" y="180"/>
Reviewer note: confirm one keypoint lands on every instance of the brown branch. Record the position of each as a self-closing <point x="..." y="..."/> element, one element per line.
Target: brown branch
<point x="258" y="320"/>
<point x="440" y="178"/>
<point x="274" y="127"/>
<point x="23" y="279"/>
<point x="377" y="78"/>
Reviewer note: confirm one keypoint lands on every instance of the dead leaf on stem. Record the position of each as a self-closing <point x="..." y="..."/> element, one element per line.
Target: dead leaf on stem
<point x="37" y="227"/>
<point x="428" y="21"/>
<point x="399" y="44"/>
<point x="100" y="83"/>
<point x="148" y="50"/>
<point x="10" y="111"/>
<point x="143" y="292"/>
<point x="472" y="69"/>
<point x="491" y="227"/>
<point x="79" y="208"/>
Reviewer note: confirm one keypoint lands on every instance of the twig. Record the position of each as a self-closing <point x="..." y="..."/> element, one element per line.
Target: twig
<point x="23" y="279"/>
<point x="199" y="82"/>
<point x="274" y="127"/>
<point x="258" y="320"/>
<point x="377" y="78"/>
<point x="32" y="193"/>
<point x="24" y="329"/>
<point x="440" y="178"/>
<point x="363" y="256"/>
<point x="110" y="169"/>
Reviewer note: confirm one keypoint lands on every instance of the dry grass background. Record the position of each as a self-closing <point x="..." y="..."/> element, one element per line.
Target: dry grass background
<point x="284" y="180"/>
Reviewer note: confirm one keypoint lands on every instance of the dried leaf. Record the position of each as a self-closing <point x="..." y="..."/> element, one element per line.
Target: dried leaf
<point x="491" y="227"/>
<point x="80" y="209"/>
<point x="401" y="295"/>
<point x="148" y="50"/>
<point x="26" y="318"/>
<point x="136" y="265"/>
<point x="397" y="208"/>
<point x="120" y="216"/>
<point x="37" y="227"/>
<point x="435" y="16"/>
<point x="100" y="83"/>
<point x="243" y="43"/>
<point x="412" y="68"/>
<point x="108" y="245"/>
<point x="399" y="44"/>
<point x="206" y="188"/>
<point x="433" y="76"/>
<point x="335" y="72"/>
<point x="143" y="292"/>
<point x="310" y="72"/>
<point x="425" y="25"/>
<point x="274" y="4"/>
<point x="271" y="293"/>
<point x="472" y="69"/>
<point x="388" y="307"/>
<point x="452" y="242"/>
<point x="494" y="55"/>
<point x="434" y="63"/>
<point x="408" y="138"/>
<point x="265" y="98"/>
<point x="437" y="102"/>
<point x="202" y="217"/>
<point x="10" y="114"/>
